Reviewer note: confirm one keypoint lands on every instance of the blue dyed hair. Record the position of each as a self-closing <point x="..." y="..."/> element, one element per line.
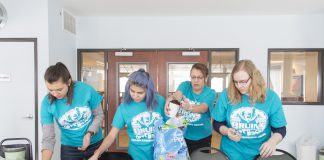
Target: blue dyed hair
<point x="141" y="79"/>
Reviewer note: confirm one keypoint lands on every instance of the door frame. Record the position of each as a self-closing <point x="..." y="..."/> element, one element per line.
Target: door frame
<point x="34" y="41"/>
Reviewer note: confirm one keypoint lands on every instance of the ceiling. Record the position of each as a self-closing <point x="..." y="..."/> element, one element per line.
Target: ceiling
<point x="192" y="7"/>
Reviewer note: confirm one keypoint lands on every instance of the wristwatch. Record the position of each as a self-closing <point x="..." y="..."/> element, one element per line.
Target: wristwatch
<point x="91" y="133"/>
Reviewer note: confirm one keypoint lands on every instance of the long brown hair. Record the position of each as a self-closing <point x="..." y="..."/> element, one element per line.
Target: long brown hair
<point x="257" y="87"/>
<point x="55" y="73"/>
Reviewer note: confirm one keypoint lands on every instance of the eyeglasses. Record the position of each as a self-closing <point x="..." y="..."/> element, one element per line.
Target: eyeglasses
<point x="196" y="77"/>
<point x="242" y="82"/>
<point x="60" y="90"/>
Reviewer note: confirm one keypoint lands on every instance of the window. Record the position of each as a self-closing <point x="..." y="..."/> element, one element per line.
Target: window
<point x="222" y="63"/>
<point x="177" y="73"/>
<point x="124" y="70"/>
<point x="296" y="75"/>
<point x="92" y="69"/>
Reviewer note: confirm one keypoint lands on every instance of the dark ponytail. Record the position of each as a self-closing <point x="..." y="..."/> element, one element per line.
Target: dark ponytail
<point x="58" y="72"/>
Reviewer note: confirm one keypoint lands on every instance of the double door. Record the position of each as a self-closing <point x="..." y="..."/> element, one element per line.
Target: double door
<point x="168" y="68"/>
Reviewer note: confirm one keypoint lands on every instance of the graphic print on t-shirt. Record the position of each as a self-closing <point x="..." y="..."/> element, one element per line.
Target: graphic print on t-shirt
<point x="190" y="116"/>
<point x="249" y="121"/>
<point x="143" y="125"/>
<point x="75" y="118"/>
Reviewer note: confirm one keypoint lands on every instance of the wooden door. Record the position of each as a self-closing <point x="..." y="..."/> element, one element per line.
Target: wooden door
<point x="167" y="68"/>
<point x="118" y="69"/>
<point x="174" y="68"/>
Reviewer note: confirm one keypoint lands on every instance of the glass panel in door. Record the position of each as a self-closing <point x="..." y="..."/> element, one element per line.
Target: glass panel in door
<point x="93" y="73"/>
<point x="222" y="63"/>
<point x="177" y="73"/>
<point x="174" y="68"/>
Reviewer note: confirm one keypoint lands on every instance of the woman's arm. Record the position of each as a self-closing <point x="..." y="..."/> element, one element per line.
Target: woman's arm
<point x="202" y="108"/>
<point x="231" y="133"/>
<point x="93" y="128"/>
<point x="221" y="128"/>
<point x="46" y="154"/>
<point x="268" y="148"/>
<point x="177" y="95"/>
<point x="106" y="143"/>
<point x="97" y="119"/>
<point x="48" y="141"/>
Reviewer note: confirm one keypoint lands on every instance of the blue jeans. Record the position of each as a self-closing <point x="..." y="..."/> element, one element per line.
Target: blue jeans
<point x="72" y="153"/>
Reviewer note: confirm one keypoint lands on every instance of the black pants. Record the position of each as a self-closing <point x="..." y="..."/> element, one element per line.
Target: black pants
<point x="193" y="145"/>
<point x="72" y="153"/>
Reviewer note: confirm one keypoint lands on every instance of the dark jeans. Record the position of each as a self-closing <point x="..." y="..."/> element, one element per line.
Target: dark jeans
<point x="72" y="153"/>
<point x="193" y="145"/>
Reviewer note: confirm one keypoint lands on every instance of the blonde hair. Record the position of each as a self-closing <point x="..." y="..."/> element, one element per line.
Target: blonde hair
<point x="257" y="88"/>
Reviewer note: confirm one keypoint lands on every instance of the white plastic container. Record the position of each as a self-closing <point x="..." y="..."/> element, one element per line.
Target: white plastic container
<point x="17" y="153"/>
<point x="321" y="154"/>
<point x="307" y="148"/>
<point x="174" y="108"/>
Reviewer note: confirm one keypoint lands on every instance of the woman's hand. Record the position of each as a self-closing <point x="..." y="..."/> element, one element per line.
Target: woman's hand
<point x="233" y="135"/>
<point x="267" y="149"/>
<point x="166" y="107"/>
<point x="185" y="104"/>
<point x="86" y="142"/>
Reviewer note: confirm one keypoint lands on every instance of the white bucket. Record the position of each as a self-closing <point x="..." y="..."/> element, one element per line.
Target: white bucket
<point x="307" y="148"/>
<point x="14" y="153"/>
<point x="306" y="152"/>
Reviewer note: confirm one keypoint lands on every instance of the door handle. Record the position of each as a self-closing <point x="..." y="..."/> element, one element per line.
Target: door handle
<point x="29" y="116"/>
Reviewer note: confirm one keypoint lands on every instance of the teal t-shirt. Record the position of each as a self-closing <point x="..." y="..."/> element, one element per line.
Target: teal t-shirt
<point x="199" y="125"/>
<point x="75" y="119"/>
<point x="253" y="122"/>
<point x="140" y="124"/>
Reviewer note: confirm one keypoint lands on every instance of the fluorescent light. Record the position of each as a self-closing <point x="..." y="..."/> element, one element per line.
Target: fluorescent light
<point x="124" y="54"/>
<point x="4" y="77"/>
<point x="190" y="53"/>
<point x="100" y="63"/>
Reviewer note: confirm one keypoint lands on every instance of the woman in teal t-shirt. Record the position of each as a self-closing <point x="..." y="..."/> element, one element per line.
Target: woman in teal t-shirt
<point x="197" y="101"/>
<point x="246" y="113"/>
<point x="140" y="109"/>
<point x="76" y="108"/>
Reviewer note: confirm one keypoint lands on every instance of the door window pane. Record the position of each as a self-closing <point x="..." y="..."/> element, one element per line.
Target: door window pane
<point x="217" y="84"/>
<point x="294" y="75"/>
<point x="92" y="69"/>
<point x="93" y="73"/>
<point x="124" y="70"/>
<point x="177" y="73"/>
<point x="222" y="64"/>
